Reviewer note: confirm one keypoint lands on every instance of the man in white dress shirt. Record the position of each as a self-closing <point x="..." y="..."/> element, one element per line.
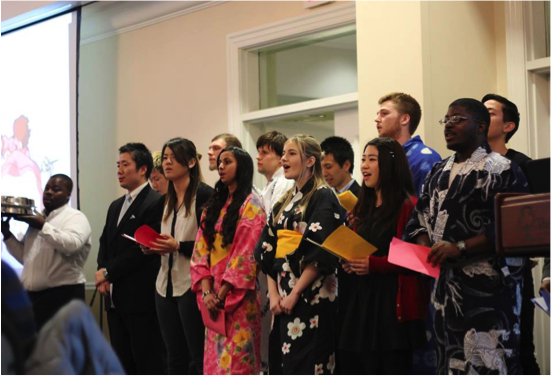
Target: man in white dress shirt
<point x="53" y="251"/>
<point x="270" y="150"/>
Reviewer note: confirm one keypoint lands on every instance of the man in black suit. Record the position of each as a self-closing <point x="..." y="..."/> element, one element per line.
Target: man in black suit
<point x="126" y="276"/>
<point x="546" y="282"/>
<point x="337" y="166"/>
<point x="504" y="123"/>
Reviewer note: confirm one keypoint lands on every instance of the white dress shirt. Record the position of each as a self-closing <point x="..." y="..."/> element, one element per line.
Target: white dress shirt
<point x="185" y="230"/>
<point x="55" y="255"/>
<point x="129" y="199"/>
<point x="275" y="189"/>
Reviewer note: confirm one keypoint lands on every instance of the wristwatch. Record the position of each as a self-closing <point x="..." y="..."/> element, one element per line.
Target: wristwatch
<point x="462" y="248"/>
<point x="105" y="274"/>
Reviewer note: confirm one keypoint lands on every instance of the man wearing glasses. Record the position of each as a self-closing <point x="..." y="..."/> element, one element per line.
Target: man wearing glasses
<point x="477" y="297"/>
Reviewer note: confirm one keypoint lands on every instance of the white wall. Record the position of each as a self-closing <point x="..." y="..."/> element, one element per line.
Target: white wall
<point x="148" y="85"/>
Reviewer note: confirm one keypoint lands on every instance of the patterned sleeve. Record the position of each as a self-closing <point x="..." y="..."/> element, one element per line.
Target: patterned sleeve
<point x="323" y="215"/>
<point x="241" y="267"/>
<point x="265" y="250"/>
<point x="417" y="223"/>
<point x="200" y="260"/>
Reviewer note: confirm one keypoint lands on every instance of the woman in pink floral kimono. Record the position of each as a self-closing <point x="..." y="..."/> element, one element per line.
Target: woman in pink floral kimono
<point x="223" y="268"/>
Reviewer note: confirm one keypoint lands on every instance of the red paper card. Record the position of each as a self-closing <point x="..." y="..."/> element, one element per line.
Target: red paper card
<point x="144" y="235"/>
<point x="412" y="256"/>
<point x="218" y="325"/>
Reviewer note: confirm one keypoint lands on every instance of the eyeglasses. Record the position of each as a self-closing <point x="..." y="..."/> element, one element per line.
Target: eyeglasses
<point x="455" y="119"/>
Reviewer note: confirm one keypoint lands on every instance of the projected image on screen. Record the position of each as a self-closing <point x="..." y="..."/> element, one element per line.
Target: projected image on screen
<point x="38" y="118"/>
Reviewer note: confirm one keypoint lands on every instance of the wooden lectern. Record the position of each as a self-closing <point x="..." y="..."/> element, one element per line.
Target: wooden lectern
<point x="522" y="224"/>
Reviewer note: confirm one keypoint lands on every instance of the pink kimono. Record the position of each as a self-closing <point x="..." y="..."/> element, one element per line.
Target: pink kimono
<point x="239" y="352"/>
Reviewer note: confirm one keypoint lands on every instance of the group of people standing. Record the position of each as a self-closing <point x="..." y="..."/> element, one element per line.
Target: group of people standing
<point x="290" y="307"/>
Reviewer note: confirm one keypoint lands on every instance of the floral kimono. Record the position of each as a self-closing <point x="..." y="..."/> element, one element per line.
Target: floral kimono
<point x="307" y="336"/>
<point x="477" y="299"/>
<point x="239" y="352"/>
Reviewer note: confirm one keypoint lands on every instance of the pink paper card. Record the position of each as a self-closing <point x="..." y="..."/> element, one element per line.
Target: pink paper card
<point x="145" y="235"/>
<point x="218" y="325"/>
<point x="412" y="256"/>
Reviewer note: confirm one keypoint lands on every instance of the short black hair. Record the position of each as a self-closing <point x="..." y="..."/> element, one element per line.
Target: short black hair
<point x="341" y="150"/>
<point x="67" y="180"/>
<point x="509" y="109"/>
<point x="140" y="155"/>
<point x="274" y="140"/>
<point x="476" y="109"/>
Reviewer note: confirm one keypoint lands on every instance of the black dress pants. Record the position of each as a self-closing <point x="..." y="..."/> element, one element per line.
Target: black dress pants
<point x="136" y="338"/>
<point x="47" y="302"/>
<point x="183" y="333"/>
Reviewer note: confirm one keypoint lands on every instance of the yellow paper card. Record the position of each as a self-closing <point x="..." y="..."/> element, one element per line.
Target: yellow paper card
<point x="348" y="200"/>
<point x="346" y="244"/>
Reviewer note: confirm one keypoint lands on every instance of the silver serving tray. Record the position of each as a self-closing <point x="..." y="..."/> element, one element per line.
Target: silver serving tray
<point x="14" y="211"/>
<point x="17" y="201"/>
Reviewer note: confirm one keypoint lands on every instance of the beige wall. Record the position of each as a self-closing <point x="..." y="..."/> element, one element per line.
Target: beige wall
<point x="154" y="83"/>
<point x="440" y="51"/>
<point x="389" y="58"/>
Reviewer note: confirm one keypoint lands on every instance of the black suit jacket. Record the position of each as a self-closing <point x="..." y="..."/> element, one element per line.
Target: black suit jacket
<point x="355" y="188"/>
<point x="132" y="273"/>
<point x="547" y="268"/>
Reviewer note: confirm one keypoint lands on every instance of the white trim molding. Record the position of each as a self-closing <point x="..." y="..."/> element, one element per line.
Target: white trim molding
<point x="339" y="102"/>
<point x="150" y="22"/>
<point x="241" y="61"/>
<point x="516" y="67"/>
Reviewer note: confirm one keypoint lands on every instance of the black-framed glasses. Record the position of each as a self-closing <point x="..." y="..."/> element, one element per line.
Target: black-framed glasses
<point x="455" y="119"/>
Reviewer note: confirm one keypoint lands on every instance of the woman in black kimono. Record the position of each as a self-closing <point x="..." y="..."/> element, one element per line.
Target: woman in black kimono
<point x="302" y="280"/>
<point x="385" y="316"/>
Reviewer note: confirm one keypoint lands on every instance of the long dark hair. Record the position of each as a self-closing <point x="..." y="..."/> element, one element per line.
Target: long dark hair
<point x="244" y="178"/>
<point x="184" y="152"/>
<point x="395" y="184"/>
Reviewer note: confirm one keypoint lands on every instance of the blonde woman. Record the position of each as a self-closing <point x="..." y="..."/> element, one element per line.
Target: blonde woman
<point x="157" y="179"/>
<point x="302" y="277"/>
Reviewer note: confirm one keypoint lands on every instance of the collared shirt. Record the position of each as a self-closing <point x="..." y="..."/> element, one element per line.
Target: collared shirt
<point x="55" y="255"/>
<point x="275" y="189"/>
<point x="128" y="199"/>
<point x="421" y="158"/>
<point x="137" y="191"/>
<point x="346" y="187"/>
<point x="184" y="230"/>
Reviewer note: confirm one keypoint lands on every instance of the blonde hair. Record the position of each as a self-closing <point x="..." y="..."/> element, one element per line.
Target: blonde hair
<point x="307" y="147"/>
<point x="158" y="161"/>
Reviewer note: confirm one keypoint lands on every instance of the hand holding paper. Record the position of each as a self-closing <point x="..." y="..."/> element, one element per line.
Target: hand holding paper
<point x="346" y="244"/>
<point x="145" y="236"/>
<point x="542" y="301"/>
<point x="217" y="324"/>
<point x="348" y="200"/>
<point x="412" y="256"/>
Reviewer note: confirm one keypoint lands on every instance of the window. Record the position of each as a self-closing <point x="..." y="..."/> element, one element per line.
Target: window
<point x="314" y="67"/>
